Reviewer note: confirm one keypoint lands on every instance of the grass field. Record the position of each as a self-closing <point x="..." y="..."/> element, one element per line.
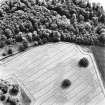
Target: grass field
<point x="42" y="69"/>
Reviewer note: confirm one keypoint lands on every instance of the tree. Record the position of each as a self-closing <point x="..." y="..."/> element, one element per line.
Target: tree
<point x="66" y="83"/>
<point x="8" y="32"/>
<point x="25" y="44"/>
<point x="40" y="41"/>
<point x="95" y="20"/>
<point x="2" y="44"/>
<point x="8" y="42"/>
<point x="28" y="26"/>
<point x="14" y="90"/>
<point x="88" y="4"/>
<point x="83" y="62"/>
<point x="102" y="38"/>
<point x="56" y="36"/>
<point x="45" y="40"/>
<point x="102" y="18"/>
<point x="35" y="36"/>
<point x="35" y="43"/>
<point x="21" y="27"/>
<point x="74" y="18"/>
<point x="3" y="37"/>
<point x="18" y="37"/>
<point x="81" y="18"/>
<point x="29" y="37"/>
<point x="3" y="54"/>
<point x="10" y="51"/>
<point x="21" y="48"/>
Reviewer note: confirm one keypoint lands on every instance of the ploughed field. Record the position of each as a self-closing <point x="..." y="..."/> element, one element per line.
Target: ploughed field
<point x="41" y="71"/>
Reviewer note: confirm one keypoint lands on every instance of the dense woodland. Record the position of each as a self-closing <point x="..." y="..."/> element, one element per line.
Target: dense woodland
<point x="23" y="22"/>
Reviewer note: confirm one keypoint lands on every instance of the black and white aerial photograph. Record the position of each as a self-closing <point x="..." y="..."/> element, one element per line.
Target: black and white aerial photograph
<point x="52" y="52"/>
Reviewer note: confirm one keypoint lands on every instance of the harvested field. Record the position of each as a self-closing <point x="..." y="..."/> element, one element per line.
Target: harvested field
<point x="41" y="71"/>
<point x="26" y="25"/>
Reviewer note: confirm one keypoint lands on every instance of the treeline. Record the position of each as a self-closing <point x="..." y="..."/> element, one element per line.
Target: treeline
<point x="36" y="22"/>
